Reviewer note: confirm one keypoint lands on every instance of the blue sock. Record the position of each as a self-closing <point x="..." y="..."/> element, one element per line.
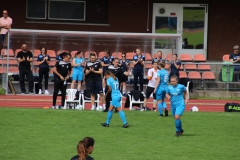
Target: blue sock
<point x="109" y="116"/>
<point x="178" y="125"/>
<point x="160" y="108"/>
<point x="164" y="105"/>
<point x="122" y="116"/>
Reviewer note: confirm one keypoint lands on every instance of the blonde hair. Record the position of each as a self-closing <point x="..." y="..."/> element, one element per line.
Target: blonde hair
<point x="83" y="147"/>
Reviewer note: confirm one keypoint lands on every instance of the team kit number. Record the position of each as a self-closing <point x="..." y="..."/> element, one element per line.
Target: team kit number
<point x="115" y="85"/>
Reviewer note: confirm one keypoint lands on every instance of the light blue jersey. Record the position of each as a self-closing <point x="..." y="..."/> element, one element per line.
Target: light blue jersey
<point x="163" y="74"/>
<point x="116" y="95"/>
<point x="176" y="93"/>
<point x="77" y="61"/>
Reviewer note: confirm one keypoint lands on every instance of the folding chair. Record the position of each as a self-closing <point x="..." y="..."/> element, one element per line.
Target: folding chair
<point x="71" y="93"/>
<point x="133" y="101"/>
<point x="187" y="88"/>
<point x="84" y="100"/>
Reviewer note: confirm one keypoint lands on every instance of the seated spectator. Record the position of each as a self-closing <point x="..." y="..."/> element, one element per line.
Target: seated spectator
<point x="235" y="58"/>
<point x="84" y="148"/>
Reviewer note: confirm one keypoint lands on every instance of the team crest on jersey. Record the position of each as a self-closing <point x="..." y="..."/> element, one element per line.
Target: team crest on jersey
<point x="67" y="66"/>
<point x="178" y="90"/>
<point x="95" y="65"/>
<point x="62" y="65"/>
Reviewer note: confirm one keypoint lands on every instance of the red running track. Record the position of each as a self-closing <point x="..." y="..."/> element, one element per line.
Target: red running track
<point x="41" y="101"/>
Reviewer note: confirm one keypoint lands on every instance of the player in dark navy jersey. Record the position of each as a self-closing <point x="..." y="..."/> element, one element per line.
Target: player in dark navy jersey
<point x="138" y="62"/>
<point x="105" y="62"/>
<point x="62" y="72"/>
<point x="158" y="58"/>
<point x="125" y="64"/>
<point x="94" y="73"/>
<point x="43" y="60"/>
<point x="175" y="66"/>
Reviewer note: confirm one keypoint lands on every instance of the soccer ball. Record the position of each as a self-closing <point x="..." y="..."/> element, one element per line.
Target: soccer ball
<point x="99" y="108"/>
<point x="194" y="109"/>
<point x="79" y="107"/>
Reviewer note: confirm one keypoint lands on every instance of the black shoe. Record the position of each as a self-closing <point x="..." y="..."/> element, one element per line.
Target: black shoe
<point x="166" y="112"/>
<point x="181" y="131"/>
<point x="125" y="125"/>
<point x="178" y="134"/>
<point x="105" y="110"/>
<point x="161" y="115"/>
<point x="154" y="109"/>
<point x="105" y="124"/>
<point x="125" y="95"/>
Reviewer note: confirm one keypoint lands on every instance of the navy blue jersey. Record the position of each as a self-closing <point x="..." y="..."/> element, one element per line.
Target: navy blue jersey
<point x="58" y="58"/>
<point x="106" y="60"/>
<point x="138" y="65"/>
<point x="44" y="64"/>
<point x="157" y="60"/>
<point x="124" y="64"/>
<point x="174" y="70"/>
<point x="234" y="57"/>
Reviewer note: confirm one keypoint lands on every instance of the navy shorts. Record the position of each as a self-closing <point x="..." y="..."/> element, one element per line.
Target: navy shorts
<point x="95" y="87"/>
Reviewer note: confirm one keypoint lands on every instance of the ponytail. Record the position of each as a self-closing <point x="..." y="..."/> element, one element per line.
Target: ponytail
<point x="108" y="72"/>
<point x="83" y="147"/>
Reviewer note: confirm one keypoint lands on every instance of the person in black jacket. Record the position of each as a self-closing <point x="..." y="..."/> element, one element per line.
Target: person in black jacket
<point x="84" y="148"/>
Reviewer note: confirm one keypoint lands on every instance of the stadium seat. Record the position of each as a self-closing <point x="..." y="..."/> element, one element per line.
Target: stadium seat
<point x="12" y="62"/>
<point x="52" y="63"/>
<point x="190" y="66"/>
<point x="73" y="53"/>
<point x="182" y="74"/>
<point x="71" y="93"/>
<point x="51" y="53"/>
<point x="101" y="54"/>
<point x="226" y="57"/>
<point x="208" y="75"/>
<point x="148" y="57"/>
<point x="2" y="70"/>
<point x="10" y="53"/>
<point x="35" y="52"/>
<point x="194" y="75"/>
<point x="169" y="56"/>
<point x="35" y="63"/>
<point x="17" y="50"/>
<point x="199" y="58"/>
<point x="186" y="57"/>
<point x="133" y="101"/>
<point x="13" y="69"/>
<point x="204" y="67"/>
<point x="84" y="100"/>
<point x="117" y="54"/>
<point x="199" y="46"/>
<point x="87" y="54"/>
<point x="129" y="55"/>
<point x="60" y="51"/>
<point x="189" y="46"/>
<point x="148" y="65"/>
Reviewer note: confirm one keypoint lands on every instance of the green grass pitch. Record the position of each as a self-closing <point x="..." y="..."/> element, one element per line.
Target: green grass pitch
<point x="46" y="134"/>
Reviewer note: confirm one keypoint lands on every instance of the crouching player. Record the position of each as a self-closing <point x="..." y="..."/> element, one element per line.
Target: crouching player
<point x="113" y="85"/>
<point x="175" y="94"/>
<point x="161" y="88"/>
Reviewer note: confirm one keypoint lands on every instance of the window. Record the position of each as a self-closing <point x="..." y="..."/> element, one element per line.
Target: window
<point x="66" y="10"/>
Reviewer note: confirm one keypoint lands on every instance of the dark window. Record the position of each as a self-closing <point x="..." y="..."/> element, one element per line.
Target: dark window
<point x="36" y="9"/>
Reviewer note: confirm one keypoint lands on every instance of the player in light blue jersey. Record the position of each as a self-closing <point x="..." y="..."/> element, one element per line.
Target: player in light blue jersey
<point x="113" y="86"/>
<point x="161" y="88"/>
<point x="78" y="72"/>
<point x="175" y="94"/>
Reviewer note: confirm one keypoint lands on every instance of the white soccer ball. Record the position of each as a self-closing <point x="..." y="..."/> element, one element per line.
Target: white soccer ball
<point x="99" y="108"/>
<point x="194" y="109"/>
<point x="79" y="107"/>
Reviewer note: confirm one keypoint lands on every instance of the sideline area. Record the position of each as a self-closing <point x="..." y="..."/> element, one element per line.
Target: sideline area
<point x="41" y="101"/>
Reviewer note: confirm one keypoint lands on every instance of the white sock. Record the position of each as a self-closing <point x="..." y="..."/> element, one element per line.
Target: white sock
<point x="104" y="106"/>
<point x="93" y="106"/>
<point x="124" y="91"/>
<point x="103" y="89"/>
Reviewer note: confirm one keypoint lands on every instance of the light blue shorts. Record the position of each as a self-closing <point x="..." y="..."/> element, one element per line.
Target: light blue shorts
<point x="160" y="94"/>
<point x="177" y="110"/>
<point x="77" y="76"/>
<point x="116" y="102"/>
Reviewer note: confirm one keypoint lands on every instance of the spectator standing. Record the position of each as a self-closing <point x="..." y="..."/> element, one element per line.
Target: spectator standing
<point x="125" y="64"/>
<point x="158" y="57"/>
<point x="235" y="58"/>
<point x="62" y="72"/>
<point x="94" y="71"/>
<point x="105" y="62"/>
<point x="84" y="148"/>
<point x="78" y="71"/>
<point x="43" y="60"/>
<point x="5" y="25"/>
<point x="138" y="62"/>
<point x="178" y="103"/>
<point x="25" y="59"/>
<point x="152" y="79"/>
<point x="175" y="66"/>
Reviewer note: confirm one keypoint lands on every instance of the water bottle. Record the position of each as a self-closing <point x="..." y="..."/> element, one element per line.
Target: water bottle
<point x="65" y="82"/>
<point x="130" y="72"/>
